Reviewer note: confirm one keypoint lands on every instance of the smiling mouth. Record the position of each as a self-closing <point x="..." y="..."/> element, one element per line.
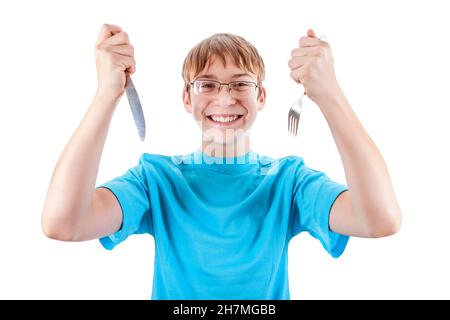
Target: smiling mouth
<point x="224" y="120"/>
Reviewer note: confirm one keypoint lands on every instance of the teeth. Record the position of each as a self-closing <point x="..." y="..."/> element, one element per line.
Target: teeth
<point x="224" y="119"/>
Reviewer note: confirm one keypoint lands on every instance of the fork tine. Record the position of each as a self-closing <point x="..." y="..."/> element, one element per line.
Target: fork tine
<point x="296" y="125"/>
<point x="289" y="121"/>
<point x="293" y="126"/>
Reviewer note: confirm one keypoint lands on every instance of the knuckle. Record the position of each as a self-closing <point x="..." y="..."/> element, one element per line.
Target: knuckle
<point x="107" y="27"/>
<point x="130" y="62"/>
<point x="293" y="52"/>
<point x="292" y="74"/>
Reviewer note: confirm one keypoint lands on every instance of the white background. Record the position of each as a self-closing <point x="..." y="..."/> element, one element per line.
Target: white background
<point x="391" y="59"/>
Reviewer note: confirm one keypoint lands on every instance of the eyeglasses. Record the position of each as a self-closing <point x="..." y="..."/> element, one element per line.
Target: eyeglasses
<point x="237" y="89"/>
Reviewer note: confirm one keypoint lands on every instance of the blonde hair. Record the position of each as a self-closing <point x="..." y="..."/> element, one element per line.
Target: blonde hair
<point x="223" y="45"/>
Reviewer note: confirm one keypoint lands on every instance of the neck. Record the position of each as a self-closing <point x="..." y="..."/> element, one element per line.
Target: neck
<point x="237" y="148"/>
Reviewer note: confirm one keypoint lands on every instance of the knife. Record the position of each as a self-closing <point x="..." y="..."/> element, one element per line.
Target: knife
<point x="135" y="106"/>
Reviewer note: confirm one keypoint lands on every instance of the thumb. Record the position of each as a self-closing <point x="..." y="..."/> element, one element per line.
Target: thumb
<point x="107" y="31"/>
<point x="310" y="33"/>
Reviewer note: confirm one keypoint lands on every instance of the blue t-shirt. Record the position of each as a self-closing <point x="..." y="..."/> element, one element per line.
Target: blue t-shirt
<point x="222" y="229"/>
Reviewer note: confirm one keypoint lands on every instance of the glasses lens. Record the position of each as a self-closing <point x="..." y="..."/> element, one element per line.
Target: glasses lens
<point x="242" y="88"/>
<point x="205" y="86"/>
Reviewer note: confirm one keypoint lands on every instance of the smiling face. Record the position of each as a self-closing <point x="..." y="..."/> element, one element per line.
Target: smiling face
<point x="224" y="119"/>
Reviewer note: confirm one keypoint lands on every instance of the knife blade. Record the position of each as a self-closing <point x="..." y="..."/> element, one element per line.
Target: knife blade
<point x="135" y="106"/>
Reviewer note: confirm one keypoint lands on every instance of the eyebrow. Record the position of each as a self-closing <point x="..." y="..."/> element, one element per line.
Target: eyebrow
<point x="211" y="76"/>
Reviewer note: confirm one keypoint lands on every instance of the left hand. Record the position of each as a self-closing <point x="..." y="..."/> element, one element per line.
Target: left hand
<point x="312" y="66"/>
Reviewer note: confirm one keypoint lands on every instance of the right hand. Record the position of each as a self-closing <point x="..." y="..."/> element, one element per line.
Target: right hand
<point x="114" y="57"/>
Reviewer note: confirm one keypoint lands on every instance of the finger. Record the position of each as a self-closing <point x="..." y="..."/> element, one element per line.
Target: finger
<point x="304" y="52"/>
<point x="298" y="74"/>
<point x="308" y="42"/>
<point x="311" y="33"/>
<point x="131" y="69"/>
<point x="124" y="63"/>
<point x="125" y="50"/>
<point x="120" y="38"/>
<point x="107" y="31"/>
<point x="297" y="62"/>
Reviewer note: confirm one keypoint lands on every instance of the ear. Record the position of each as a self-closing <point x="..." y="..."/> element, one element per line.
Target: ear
<point x="187" y="101"/>
<point x="261" y="101"/>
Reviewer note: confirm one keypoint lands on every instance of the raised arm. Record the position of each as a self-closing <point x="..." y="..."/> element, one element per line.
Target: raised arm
<point x="370" y="207"/>
<point x="73" y="209"/>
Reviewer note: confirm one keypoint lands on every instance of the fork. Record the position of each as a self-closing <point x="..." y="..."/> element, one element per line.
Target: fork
<point x="296" y="110"/>
<point x="294" y="115"/>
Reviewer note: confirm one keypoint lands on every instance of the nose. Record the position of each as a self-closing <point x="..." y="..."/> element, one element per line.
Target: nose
<point x="225" y="96"/>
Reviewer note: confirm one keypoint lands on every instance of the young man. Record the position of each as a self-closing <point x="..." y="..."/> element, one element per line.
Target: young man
<point x="222" y="217"/>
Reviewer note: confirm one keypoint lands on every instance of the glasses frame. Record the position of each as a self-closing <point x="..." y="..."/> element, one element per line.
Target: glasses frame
<point x="257" y="86"/>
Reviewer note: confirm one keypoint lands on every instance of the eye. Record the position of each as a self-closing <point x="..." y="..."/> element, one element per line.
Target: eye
<point x="207" y="85"/>
<point x="241" y="85"/>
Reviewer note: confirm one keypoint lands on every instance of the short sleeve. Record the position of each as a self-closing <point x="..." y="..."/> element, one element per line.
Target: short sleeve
<point x="131" y="190"/>
<point x="313" y="196"/>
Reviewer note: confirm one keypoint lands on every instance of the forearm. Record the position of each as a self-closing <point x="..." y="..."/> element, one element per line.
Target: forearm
<point x="370" y="187"/>
<point x="73" y="181"/>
